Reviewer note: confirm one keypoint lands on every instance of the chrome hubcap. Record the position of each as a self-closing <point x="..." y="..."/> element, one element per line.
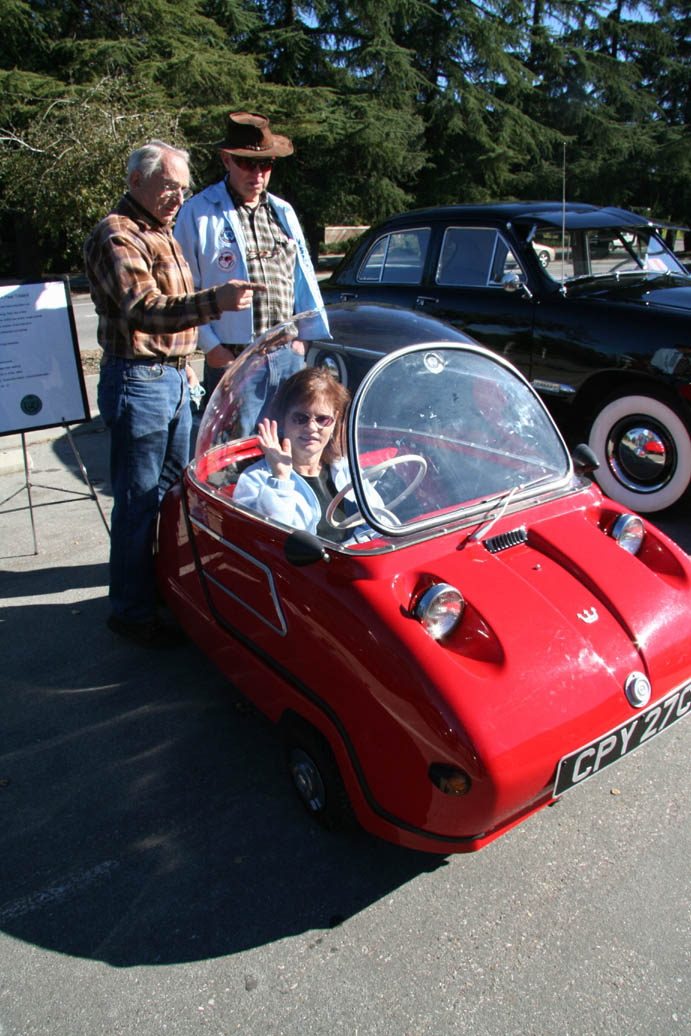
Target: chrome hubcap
<point x="641" y="454"/>
<point x="307" y="779"/>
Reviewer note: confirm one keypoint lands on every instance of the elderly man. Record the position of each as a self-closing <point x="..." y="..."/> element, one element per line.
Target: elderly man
<point x="235" y="226"/>
<point x="148" y="312"/>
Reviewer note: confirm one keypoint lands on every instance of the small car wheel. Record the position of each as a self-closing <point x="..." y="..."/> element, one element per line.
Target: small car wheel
<point x="316" y="777"/>
<point x="644" y="450"/>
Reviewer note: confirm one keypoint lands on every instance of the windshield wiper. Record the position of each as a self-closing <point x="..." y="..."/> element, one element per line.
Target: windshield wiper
<point x="616" y="275"/>
<point x="502" y="502"/>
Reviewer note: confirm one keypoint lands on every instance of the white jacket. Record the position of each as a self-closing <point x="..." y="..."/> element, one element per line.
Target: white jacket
<point x="210" y="234"/>
<point x="293" y="501"/>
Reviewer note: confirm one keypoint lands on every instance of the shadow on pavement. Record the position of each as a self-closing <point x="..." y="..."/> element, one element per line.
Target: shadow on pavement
<point x="57" y="500"/>
<point x="148" y="818"/>
<point x="92" y="442"/>
<point x="52" y="580"/>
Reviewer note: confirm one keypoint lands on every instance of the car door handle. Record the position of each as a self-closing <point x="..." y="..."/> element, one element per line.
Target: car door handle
<point x="346" y="295"/>
<point x="422" y="299"/>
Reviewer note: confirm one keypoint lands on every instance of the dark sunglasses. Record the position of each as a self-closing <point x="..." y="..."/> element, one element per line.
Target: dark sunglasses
<point x="322" y="420"/>
<point x="250" y="164"/>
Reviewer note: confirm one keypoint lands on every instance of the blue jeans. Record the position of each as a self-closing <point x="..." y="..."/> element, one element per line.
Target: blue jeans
<point x="146" y="406"/>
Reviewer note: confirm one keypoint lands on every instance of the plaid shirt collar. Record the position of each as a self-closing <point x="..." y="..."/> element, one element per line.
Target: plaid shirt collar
<point x="138" y="212"/>
<point x="237" y="200"/>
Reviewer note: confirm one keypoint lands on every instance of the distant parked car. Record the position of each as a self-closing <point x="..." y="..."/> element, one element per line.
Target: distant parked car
<point x="588" y="302"/>
<point x="545" y="253"/>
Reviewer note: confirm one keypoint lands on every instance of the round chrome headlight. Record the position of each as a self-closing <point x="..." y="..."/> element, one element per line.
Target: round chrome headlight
<point x="629" y="532"/>
<point x="439" y="609"/>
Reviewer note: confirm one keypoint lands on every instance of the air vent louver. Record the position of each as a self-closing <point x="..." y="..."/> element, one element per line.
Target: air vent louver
<point x="506" y="539"/>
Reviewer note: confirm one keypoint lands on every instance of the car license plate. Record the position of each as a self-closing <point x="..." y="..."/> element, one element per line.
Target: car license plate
<point x="573" y="769"/>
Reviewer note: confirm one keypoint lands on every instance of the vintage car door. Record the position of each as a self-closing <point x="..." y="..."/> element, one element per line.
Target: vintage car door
<point x="240" y="563"/>
<point x="393" y="269"/>
<point x="467" y="286"/>
<point x="458" y="274"/>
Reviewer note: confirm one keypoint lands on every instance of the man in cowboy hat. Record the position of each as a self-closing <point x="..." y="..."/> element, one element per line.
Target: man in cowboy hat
<point x="235" y="228"/>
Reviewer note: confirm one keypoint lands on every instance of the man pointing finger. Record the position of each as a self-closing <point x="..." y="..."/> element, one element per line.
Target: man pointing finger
<point x="234" y="295"/>
<point x="148" y="314"/>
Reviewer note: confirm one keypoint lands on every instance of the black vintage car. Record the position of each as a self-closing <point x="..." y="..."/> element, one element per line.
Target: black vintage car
<point x="588" y="302"/>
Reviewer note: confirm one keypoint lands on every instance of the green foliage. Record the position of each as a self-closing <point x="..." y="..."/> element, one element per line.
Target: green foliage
<point x="390" y="103"/>
<point x="64" y="171"/>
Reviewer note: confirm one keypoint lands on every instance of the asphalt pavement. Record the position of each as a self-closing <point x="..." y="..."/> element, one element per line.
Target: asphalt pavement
<point x="159" y="876"/>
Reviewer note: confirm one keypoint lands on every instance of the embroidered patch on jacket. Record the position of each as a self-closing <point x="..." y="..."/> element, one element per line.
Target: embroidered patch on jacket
<point x="227" y="260"/>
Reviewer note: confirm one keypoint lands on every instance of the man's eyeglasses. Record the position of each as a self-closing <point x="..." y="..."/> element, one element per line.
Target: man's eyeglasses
<point x="264" y="254"/>
<point x="322" y="420"/>
<point x="279" y="246"/>
<point x="250" y="164"/>
<point x="169" y="189"/>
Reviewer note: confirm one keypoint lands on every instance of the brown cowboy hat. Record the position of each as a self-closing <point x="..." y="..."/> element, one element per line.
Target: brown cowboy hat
<point x="249" y="136"/>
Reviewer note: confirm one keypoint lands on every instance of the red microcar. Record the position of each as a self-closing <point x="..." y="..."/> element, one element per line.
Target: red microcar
<point x="496" y="634"/>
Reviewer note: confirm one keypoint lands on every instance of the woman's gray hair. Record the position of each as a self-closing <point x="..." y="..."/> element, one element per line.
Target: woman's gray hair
<point x="147" y="160"/>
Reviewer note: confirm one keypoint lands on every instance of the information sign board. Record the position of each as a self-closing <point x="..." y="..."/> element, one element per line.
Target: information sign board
<point x="41" y="377"/>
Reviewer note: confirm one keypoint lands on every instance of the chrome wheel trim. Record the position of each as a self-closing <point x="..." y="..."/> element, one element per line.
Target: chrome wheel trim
<point x="307" y="779"/>
<point x="639" y="445"/>
<point x="645" y="420"/>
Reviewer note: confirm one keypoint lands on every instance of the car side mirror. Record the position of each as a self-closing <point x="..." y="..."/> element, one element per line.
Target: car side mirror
<point x="511" y="282"/>
<point x="303" y="548"/>
<point x="584" y="460"/>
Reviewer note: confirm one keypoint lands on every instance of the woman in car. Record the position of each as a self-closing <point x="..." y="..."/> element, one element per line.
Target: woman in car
<point x="303" y="467"/>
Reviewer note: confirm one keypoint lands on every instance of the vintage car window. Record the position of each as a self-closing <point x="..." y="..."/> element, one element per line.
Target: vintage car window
<point x="397" y="258"/>
<point x="504" y="262"/>
<point x="603" y="253"/>
<point x="475" y="256"/>
<point x="444" y="431"/>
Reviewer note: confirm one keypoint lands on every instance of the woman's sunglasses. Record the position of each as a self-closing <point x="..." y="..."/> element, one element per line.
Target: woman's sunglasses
<point x="322" y="420"/>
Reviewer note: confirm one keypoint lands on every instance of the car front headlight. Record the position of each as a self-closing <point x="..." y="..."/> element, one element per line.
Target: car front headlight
<point x="629" y="532"/>
<point x="439" y="609"/>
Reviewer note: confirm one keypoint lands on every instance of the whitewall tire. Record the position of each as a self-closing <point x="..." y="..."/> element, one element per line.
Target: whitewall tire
<point x="644" y="450"/>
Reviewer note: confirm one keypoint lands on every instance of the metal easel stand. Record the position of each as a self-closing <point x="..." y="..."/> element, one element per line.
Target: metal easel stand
<point x="28" y="485"/>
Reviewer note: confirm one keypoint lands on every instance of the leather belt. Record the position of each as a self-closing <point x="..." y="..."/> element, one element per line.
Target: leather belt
<point x="174" y="361"/>
<point x="171" y="361"/>
<point x="179" y="362"/>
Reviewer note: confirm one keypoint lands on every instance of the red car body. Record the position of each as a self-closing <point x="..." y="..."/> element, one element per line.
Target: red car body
<point x="440" y="744"/>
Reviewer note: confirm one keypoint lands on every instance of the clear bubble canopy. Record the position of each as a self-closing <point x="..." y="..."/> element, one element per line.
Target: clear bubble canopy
<point x="437" y="431"/>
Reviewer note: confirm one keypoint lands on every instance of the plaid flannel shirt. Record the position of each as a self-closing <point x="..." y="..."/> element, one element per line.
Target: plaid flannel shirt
<point x="270" y="261"/>
<point x="142" y="287"/>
